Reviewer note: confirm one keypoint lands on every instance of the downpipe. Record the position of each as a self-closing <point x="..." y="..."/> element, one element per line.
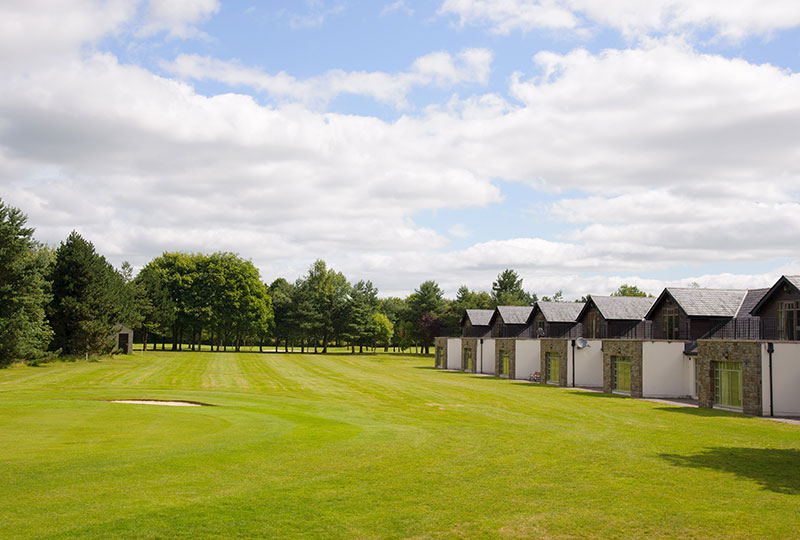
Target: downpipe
<point x="573" y="363"/>
<point x="770" y="350"/>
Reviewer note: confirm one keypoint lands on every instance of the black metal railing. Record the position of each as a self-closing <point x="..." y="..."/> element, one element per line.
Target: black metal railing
<point x="476" y="332"/>
<point x="620" y="330"/>
<point x="771" y="330"/>
<point x="744" y="328"/>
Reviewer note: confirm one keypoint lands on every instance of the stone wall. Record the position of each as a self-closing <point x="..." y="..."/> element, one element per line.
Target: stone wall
<point x="501" y="345"/>
<point x="746" y="352"/>
<point x="623" y="347"/>
<point x="472" y="345"/>
<point x="441" y="352"/>
<point x="560" y="346"/>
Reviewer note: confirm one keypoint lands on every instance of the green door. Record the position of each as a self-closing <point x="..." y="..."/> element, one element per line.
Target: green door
<point x="505" y="364"/>
<point x="469" y="362"/>
<point x="553" y="364"/>
<point x="621" y="366"/>
<point x="728" y="384"/>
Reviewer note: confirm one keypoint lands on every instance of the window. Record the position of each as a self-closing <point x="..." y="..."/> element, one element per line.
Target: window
<point x="469" y="363"/>
<point x="621" y="374"/>
<point x="505" y="364"/>
<point x="593" y="322"/>
<point x="787" y="321"/>
<point x="671" y="323"/>
<point x="552" y="363"/>
<point x="728" y="384"/>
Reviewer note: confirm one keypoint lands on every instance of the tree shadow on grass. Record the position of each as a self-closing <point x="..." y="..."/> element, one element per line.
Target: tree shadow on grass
<point x="598" y="395"/>
<point x="776" y="470"/>
<point x="697" y="411"/>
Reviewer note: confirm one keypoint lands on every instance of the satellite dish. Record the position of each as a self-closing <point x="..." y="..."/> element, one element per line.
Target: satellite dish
<point x="581" y="343"/>
<point x="540" y="332"/>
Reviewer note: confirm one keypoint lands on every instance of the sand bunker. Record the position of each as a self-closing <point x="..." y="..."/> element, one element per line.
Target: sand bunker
<point x="159" y="402"/>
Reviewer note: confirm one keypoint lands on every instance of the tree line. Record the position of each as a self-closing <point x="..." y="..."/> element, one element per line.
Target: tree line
<point x="69" y="300"/>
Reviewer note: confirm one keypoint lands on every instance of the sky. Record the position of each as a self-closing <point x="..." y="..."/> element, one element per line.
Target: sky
<point x="582" y="143"/>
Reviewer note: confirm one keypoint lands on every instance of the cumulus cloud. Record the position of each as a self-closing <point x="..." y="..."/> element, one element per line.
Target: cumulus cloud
<point x="671" y="157"/>
<point x="440" y="69"/>
<point x="733" y="20"/>
<point x="178" y="17"/>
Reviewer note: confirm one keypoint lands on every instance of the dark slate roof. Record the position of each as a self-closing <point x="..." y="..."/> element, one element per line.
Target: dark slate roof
<point x="697" y="302"/>
<point x="560" y="311"/>
<point x="479" y="317"/>
<point x="624" y="308"/>
<point x="752" y="298"/>
<point x="794" y="281"/>
<point x="514" y="314"/>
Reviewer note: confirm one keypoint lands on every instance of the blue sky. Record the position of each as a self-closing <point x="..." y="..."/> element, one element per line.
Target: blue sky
<point x="582" y="143"/>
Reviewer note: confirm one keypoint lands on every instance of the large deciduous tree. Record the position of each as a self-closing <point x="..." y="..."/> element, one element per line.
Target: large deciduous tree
<point x="327" y="292"/>
<point x="629" y="290"/>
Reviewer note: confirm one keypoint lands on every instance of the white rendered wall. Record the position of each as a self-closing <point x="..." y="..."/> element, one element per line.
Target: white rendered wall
<point x="785" y="378"/>
<point x="664" y="369"/>
<point x="454" y="353"/>
<point x="487" y="365"/>
<point x="690" y="376"/>
<point x="588" y="365"/>
<point x="527" y="358"/>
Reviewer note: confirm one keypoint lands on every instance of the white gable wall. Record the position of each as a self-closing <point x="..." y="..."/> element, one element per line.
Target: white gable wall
<point x="589" y="364"/>
<point x="664" y="369"/>
<point x="527" y="358"/>
<point x="487" y="362"/>
<point x="454" y="353"/>
<point x="785" y="378"/>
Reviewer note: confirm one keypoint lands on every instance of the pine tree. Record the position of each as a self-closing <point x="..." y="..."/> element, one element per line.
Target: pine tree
<point x="88" y="298"/>
<point x="24" y="291"/>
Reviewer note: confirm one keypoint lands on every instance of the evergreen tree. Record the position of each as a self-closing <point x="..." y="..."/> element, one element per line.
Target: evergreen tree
<point x="24" y="291"/>
<point x="362" y="304"/>
<point x="426" y="306"/>
<point x="87" y="298"/>
<point x="507" y="290"/>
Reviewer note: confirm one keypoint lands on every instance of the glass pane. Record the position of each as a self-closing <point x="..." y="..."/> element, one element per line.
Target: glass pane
<point x="728" y="384"/>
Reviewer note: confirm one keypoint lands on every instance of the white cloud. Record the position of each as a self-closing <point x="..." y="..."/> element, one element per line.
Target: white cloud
<point x="398" y="5"/>
<point x="178" y="17"/>
<point x="38" y="32"/>
<point x="683" y="158"/>
<point x="733" y="20"/>
<point x="507" y="16"/>
<point x="440" y="69"/>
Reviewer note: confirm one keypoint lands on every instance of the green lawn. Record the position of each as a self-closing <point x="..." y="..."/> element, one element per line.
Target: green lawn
<point x="372" y="447"/>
